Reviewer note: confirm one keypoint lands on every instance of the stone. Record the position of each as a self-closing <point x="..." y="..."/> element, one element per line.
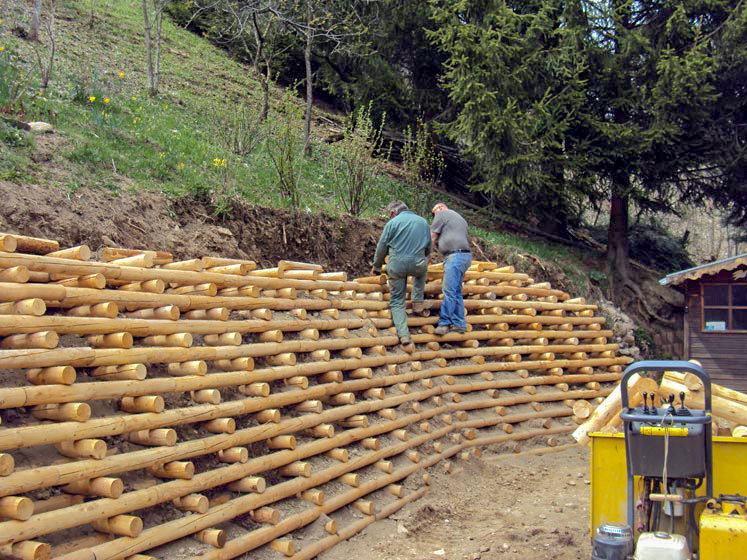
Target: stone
<point x="40" y="127"/>
<point x="484" y="549"/>
<point x="439" y="552"/>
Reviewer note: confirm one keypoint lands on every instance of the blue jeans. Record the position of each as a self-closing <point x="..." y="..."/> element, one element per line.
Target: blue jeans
<point x="452" y="306"/>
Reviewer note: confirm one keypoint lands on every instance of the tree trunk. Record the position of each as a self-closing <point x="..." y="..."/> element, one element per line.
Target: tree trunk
<point x="266" y="91"/>
<point x="309" y="79"/>
<point x="91" y="22"/>
<point x="617" y="238"/>
<point x="157" y="63"/>
<point x="36" y="19"/>
<point x="148" y="46"/>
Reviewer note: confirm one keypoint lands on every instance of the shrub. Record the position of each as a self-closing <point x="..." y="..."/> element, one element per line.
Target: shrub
<point x="355" y="170"/>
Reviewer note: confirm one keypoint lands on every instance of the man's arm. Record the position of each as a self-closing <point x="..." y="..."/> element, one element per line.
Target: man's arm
<point x="382" y="249"/>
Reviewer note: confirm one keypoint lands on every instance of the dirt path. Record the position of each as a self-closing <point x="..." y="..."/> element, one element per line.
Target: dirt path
<point x="515" y="508"/>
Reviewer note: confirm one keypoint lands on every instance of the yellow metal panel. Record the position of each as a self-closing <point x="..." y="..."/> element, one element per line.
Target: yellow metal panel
<point x="609" y="480"/>
<point x="722" y="536"/>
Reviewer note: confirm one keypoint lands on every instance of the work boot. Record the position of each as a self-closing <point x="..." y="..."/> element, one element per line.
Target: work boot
<point x="406" y="344"/>
<point x="460" y="330"/>
<point x="441" y="330"/>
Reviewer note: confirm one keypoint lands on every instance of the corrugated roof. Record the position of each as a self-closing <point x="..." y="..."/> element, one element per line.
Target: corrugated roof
<point x="697" y="272"/>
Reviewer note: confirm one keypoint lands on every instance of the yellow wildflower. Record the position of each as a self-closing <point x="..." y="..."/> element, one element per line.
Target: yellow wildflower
<point x="134" y="98"/>
<point x="181" y="165"/>
<point x="106" y="100"/>
<point x="2" y="48"/>
<point x="92" y="98"/>
<point x="121" y="74"/>
<point x="223" y="163"/>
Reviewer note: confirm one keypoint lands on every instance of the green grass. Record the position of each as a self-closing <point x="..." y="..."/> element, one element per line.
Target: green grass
<point x="167" y="143"/>
<point x="171" y="143"/>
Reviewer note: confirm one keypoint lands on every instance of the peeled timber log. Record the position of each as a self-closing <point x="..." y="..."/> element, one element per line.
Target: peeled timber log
<point x="723" y="408"/>
<point x="607" y="410"/>
<point x="326" y="380"/>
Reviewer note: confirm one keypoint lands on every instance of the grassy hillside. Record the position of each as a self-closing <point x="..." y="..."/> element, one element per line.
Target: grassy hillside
<point x="116" y="137"/>
<point x="110" y="135"/>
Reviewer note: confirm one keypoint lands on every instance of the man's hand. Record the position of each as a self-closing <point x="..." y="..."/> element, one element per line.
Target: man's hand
<point x="374" y="272"/>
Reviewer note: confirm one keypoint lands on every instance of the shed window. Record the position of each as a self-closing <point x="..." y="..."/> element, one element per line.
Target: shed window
<point x="724" y="307"/>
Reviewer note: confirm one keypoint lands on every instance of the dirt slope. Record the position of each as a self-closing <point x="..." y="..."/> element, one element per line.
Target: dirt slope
<point x="523" y="508"/>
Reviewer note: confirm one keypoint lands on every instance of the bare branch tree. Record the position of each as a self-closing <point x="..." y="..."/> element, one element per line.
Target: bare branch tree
<point x="45" y="53"/>
<point x="153" y="25"/>
<point x="36" y="19"/>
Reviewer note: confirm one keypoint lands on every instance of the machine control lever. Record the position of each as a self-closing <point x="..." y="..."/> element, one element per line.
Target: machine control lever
<point x="683" y="411"/>
<point x="645" y="402"/>
<point x="671" y="410"/>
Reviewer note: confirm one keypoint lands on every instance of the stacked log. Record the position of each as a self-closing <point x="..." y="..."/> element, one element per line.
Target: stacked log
<point x="220" y="393"/>
<point x="728" y="407"/>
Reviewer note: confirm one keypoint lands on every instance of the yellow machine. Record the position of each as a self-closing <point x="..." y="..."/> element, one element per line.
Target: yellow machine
<point x="697" y="512"/>
<point x="723" y="529"/>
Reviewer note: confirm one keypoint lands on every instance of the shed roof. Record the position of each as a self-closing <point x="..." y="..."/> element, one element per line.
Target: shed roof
<point x="695" y="273"/>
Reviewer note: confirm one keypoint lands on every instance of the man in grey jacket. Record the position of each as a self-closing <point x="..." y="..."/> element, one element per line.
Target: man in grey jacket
<point x="449" y="231"/>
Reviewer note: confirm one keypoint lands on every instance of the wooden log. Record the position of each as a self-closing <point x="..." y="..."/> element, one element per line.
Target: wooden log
<point x="234" y="455"/>
<point x="582" y="409"/>
<point x="121" y="525"/>
<point x="7" y="464"/>
<point x="254" y="484"/>
<point x="196" y="503"/>
<point x="16" y="507"/>
<point x="82" y="448"/>
<point x="177" y="340"/>
<point x="152" y="403"/>
<point x="195" y="367"/>
<point x="298" y="468"/>
<point x="70" y="412"/>
<point x="32" y="306"/>
<point x="156" y="437"/>
<point x="183" y="470"/>
<point x="694" y="384"/>
<point x="220" y="426"/>
<point x="265" y="515"/>
<point x="212" y="537"/>
<point x="27" y="550"/>
<point x="105" y="487"/>
<point x="8" y="243"/>
<point x="338" y="454"/>
<point x="133" y="372"/>
<point x="285" y="547"/>
<point x="165" y="312"/>
<point x="723" y="408"/>
<point x="44" y="339"/>
<point x="113" y="340"/>
<point x="63" y="375"/>
<point x="18" y="274"/>
<point x="107" y="310"/>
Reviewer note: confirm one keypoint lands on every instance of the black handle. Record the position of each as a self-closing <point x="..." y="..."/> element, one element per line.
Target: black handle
<point x="665" y="365"/>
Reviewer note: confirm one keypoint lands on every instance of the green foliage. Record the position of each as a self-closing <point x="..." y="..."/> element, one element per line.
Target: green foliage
<point x="12" y="136"/>
<point x="285" y="150"/>
<point x="652" y="245"/>
<point x="423" y="166"/>
<point x="241" y="132"/>
<point x="355" y="170"/>
<point x="645" y="341"/>
<point x="599" y="99"/>
<point x="14" y="82"/>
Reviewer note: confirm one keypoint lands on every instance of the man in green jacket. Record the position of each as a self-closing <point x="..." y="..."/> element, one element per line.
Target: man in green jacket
<point x="406" y="239"/>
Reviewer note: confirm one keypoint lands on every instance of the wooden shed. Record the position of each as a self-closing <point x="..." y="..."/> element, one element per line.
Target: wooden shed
<point x="715" y="318"/>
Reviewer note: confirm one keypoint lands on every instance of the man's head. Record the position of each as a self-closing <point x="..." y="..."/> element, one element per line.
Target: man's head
<point x="395" y="207"/>
<point x="440" y="207"/>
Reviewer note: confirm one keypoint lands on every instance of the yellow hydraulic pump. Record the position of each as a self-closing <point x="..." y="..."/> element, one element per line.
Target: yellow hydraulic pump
<point x="723" y="529"/>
